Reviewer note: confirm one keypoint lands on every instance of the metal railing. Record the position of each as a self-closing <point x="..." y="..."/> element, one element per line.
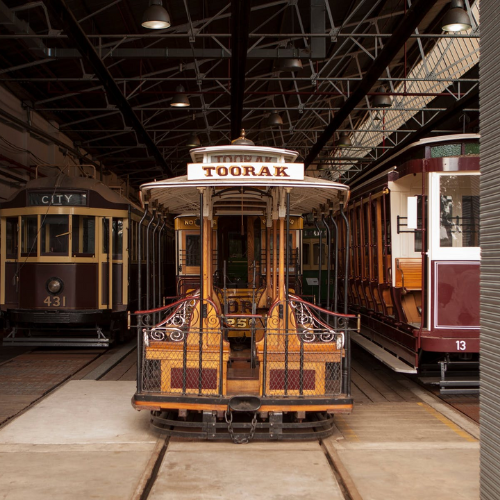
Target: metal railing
<point x="178" y="357"/>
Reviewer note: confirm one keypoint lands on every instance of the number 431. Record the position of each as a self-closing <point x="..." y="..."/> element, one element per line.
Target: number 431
<point x="55" y="301"/>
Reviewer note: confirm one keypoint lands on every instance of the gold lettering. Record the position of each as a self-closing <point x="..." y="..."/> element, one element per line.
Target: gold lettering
<point x="208" y="171"/>
<point x="280" y="172"/>
<point x="247" y="158"/>
<point x="247" y="171"/>
<point x="222" y="171"/>
<point x="235" y="171"/>
<point x="264" y="172"/>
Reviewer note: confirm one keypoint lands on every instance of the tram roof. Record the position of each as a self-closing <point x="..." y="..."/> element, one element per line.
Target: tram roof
<point x="181" y="195"/>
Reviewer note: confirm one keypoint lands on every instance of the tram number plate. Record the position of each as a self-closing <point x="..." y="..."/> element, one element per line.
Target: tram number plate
<point x="55" y="301"/>
<point x="461" y="345"/>
<point x="240" y="322"/>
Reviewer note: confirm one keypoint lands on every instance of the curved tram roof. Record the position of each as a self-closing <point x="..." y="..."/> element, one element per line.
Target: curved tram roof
<point x="257" y="171"/>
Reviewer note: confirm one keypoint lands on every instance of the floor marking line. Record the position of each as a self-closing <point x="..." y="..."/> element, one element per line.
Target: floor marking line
<point x="344" y="428"/>
<point x="454" y="427"/>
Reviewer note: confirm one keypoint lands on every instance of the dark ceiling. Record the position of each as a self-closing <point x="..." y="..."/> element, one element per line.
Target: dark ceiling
<point x="89" y="66"/>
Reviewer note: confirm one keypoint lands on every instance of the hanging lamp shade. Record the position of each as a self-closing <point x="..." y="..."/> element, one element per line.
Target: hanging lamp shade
<point x="155" y="17"/>
<point x="290" y="64"/>
<point x="193" y="141"/>
<point x="456" y="19"/>
<point x="180" y="100"/>
<point x="275" y="119"/>
<point x="344" y="140"/>
<point x="382" y="101"/>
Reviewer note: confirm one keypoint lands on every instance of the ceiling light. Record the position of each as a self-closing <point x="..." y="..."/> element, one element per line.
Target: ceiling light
<point x="344" y="140"/>
<point x="155" y="16"/>
<point x="180" y="100"/>
<point x="275" y="119"/>
<point x="290" y="64"/>
<point x="456" y="19"/>
<point x="193" y="141"/>
<point x="382" y="100"/>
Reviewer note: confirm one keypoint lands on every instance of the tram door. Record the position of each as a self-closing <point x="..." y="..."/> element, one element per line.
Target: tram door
<point x="113" y="276"/>
<point x="232" y="244"/>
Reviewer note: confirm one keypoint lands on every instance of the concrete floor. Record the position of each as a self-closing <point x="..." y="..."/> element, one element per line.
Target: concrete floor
<point x="85" y="441"/>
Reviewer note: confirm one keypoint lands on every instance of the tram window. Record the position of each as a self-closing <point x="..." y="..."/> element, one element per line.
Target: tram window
<point x="105" y="235"/>
<point x="418" y="234"/>
<point x="192" y="250"/>
<point x="117" y="238"/>
<point x="29" y="227"/>
<point x="472" y="148"/>
<point x="83" y="237"/>
<point x="446" y="150"/>
<point x="55" y="235"/>
<point x="316" y="254"/>
<point x="459" y="207"/>
<point x="11" y="239"/>
<point x="305" y="253"/>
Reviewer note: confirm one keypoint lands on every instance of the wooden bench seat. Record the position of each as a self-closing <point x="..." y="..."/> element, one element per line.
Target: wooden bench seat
<point x="409" y="274"/>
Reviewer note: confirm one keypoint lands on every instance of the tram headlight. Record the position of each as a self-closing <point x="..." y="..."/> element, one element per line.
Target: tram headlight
<point x="54" y="285"/>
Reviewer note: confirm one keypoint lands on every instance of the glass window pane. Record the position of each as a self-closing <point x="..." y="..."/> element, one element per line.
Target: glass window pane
<point x="29" y="229"/>
<point x="11" y="240"/>
<point x="192" y="250"/>
<point x="446" y="150"/>
<point x="459" y="211"/>
<point x="55" y="235"/>
<point x="472" y="148"/>
<point x="117" y="238"/>
<point x="83" y="236"/>
<point x="105" y="235"/>
<point x="305" y="253"/>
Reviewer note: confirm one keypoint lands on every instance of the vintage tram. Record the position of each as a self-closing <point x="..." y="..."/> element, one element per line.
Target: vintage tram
<point x="238" y="340"/>
<point x="414" y="259"/>
<point x="65" y="262"/>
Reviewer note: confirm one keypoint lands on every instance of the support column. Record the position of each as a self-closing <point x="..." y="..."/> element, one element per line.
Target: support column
<point x="281" y="277"/>
<point x="275" y="259"/>
<point x="268" y="262"/>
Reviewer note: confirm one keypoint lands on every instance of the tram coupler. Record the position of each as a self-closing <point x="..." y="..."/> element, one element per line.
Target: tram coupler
<point x="242" y="404"/>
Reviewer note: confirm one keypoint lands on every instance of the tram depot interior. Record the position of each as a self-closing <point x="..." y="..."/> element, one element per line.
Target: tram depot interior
<point x="256" y="196"/>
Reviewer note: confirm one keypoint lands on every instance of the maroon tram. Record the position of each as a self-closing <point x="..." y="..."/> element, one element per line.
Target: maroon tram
<point x="414" y="258"/>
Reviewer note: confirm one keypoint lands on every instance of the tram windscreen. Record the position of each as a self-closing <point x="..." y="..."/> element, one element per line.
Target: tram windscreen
<point x="459" y="211"/>
<point x="29" y="226"/>
<point x="55" y="235"/>
<point x="83" y="237"/>
<point x="11" y="239"/>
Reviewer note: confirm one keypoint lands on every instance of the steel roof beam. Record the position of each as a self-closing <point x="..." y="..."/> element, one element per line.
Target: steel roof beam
<point x="61" y="12"/>
<point x="240" y="17"/>
<point x="408" y="24"/>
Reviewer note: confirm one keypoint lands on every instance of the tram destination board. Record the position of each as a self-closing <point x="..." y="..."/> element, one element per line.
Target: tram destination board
<point x="69" y="199"/>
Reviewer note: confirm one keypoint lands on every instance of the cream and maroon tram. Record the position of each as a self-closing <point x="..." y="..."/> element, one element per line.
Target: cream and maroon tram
<point x="415" y="256"/>
<point x="65" y="264"/>
<point x="238" y="352"/>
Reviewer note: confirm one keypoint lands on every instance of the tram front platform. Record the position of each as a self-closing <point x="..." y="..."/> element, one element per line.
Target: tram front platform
<point x="85" y="441"/>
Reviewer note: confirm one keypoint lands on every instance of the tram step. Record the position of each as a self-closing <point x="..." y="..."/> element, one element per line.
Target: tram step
<point x="238" y="386"/>
<point x="236" y="373"/>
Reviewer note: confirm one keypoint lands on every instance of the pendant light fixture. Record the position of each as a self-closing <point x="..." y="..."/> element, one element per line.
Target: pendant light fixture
<point x="456" y="19"/>
<point x="275" y="119"/>
<point x="382" y="100"/>
<point x="193" y="140"/>
<point x="180" y="100"/>
<point x="290" y="65"/>
<point x="155" y="17"/>
<point x="344" y="140"/>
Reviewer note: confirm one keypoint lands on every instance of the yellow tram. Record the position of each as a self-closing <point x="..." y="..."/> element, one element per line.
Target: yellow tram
<point x="238" y="347"/>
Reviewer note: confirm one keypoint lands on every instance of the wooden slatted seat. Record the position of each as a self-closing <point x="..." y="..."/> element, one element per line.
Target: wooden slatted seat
<point x="409" y="274"/>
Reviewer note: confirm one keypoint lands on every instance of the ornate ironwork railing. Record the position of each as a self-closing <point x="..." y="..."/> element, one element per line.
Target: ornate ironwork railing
<point x="184" y="348"/>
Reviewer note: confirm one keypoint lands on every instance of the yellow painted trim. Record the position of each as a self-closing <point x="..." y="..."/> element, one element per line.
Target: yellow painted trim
<point x="446" y="421"/>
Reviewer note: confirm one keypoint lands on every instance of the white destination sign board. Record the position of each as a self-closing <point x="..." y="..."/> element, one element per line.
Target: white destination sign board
<point x="245" y="171"/>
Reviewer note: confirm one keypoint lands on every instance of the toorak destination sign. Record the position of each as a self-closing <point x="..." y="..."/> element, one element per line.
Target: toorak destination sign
<point x="245" y="171"/>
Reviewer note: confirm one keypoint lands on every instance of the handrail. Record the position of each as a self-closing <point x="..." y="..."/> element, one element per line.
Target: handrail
<point x="188" y="297"/>
<point x="314" y="306"/>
